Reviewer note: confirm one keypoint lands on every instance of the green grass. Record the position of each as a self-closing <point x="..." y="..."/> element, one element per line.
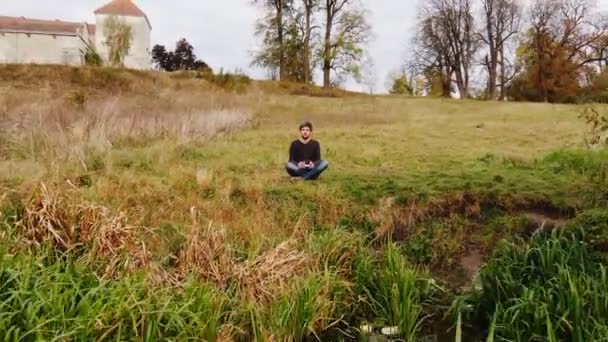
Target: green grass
<point x="191" y="222"/>
<point x="551" y="287"/>
<point x="63" y="300"/>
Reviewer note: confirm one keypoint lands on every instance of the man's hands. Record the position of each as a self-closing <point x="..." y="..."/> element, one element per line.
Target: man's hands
<point x="303" y="165"/>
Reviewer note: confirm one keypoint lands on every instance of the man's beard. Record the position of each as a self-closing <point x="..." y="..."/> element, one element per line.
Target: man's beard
<point x="305" y="137"/>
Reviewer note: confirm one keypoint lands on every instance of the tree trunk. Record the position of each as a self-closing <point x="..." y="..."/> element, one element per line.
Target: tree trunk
<point x="492" y="76"/>
<point x="446" y="80"/>
<point x="308" y="4"/>
<point x="458" y="72"/>
<point x="280" y="37"/>
<point x="493" y="62"/>
<point x="503" y="75"/>
<point x="446" y="85"/>
<point x="541" y="67"/>
<point x="327" y="48"/>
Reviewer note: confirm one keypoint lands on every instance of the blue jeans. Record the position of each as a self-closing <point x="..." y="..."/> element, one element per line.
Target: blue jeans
<point x="308" y="174"/>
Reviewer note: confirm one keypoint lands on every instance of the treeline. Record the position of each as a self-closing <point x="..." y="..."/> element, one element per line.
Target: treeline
<point x="548" y="50"/>
<point x="537" y="50"/>
<point x="299" y="35"/>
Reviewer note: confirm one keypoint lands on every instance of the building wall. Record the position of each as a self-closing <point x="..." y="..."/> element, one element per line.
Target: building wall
<point x="139" y="53"/>
<point x="41" y="48"/>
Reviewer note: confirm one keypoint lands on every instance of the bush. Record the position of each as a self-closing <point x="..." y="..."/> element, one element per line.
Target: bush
<point x="228" y="81"/>
<point x="401" y="86"/>
<point x="594" y="227"/>
<point x="521" y="90"/>
<point x="597" y="123"/>
<point x="92" y="58"/>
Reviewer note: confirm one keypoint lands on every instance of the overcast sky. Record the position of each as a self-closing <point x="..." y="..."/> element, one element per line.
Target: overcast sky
<point x="221" y="31"/>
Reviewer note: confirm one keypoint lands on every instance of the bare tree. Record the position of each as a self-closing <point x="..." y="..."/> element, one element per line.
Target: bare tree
<point x="582" y="31"/>
<point x="447" y="43"/>
<point x="432" y="57"/>
<point x="457" y="17"/>
<point x="502" y="21"/>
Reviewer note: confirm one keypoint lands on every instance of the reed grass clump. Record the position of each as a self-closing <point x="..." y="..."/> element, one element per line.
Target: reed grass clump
<point x="549" y="288"/>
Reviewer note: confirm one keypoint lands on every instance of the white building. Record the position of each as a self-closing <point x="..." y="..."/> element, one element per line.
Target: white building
<point x="25" y="40"/>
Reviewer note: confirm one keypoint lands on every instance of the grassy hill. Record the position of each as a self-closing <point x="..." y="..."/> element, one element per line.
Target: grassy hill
<point x="143" y="202"/>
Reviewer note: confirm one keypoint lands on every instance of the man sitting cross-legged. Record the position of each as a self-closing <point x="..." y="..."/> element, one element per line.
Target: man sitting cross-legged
<point x="305" y="156"/>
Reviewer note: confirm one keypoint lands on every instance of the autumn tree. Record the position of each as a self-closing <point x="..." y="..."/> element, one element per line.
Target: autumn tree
<point x="118" y="38"/>
<point x="564" y="39"/>
<point x="548" y="75"/>
<point x="346" y="34"/>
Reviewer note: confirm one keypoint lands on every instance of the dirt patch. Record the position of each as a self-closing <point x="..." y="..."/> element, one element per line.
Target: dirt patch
<point x="452" y="235"/>
<point x="399" y="221"/>
<point x="541" y="221"/>
<point x="471" y="263"/>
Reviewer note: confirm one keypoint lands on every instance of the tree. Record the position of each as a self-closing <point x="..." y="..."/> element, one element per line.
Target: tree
<point x="548" y="74"/>
<point x="183" y="58"/>
<point x="565" y="38"/>
<point x="118" y="38"/>
<point x="502" y="21"/>
<point x="400" y="85"/>
<point x="274" y="25"/>
<point x="162" y="58"/>
<point x="310" y="7"/>
<point x="446" y="44"/>
<point x="455" y="18"/>
<point x="292" y="48"/>
<point x="346" y="34"/>
<point x="432" y="57"/>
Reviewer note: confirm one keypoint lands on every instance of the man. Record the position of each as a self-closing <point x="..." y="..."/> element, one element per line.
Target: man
<point x="305" y="156"/>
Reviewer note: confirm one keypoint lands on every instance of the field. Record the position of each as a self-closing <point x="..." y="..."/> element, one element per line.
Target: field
<point x="142" y="205"/>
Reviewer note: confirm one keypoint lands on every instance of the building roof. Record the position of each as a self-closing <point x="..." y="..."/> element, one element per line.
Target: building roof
<point x="23" y="24"/>
<point x="124" y="8"/>
<point x="121" y="7"/>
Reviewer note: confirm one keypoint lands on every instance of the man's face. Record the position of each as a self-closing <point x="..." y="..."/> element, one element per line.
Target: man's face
<point x="305" y="133"/>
